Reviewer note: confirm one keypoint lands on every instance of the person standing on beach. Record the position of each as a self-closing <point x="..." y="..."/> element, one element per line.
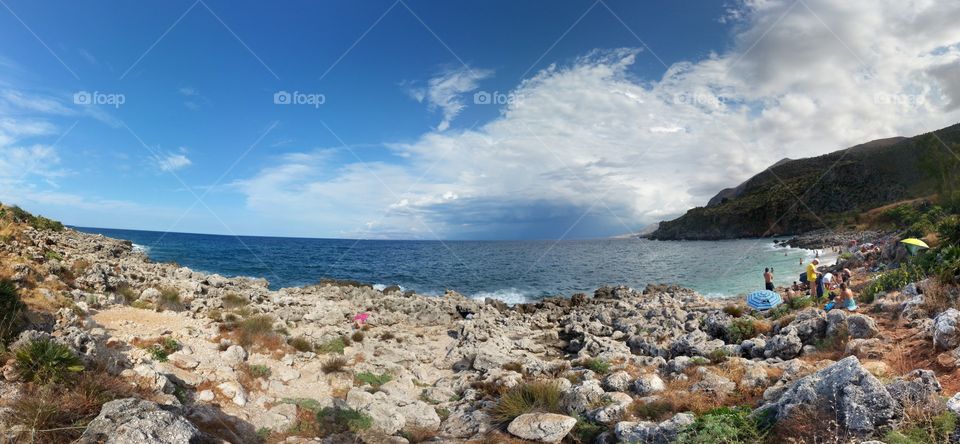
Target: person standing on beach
<point x="812" y="277"/>
<point x="768" y="279"/>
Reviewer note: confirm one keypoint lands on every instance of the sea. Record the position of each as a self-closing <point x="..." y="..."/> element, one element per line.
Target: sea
<point x="512" y="271"/>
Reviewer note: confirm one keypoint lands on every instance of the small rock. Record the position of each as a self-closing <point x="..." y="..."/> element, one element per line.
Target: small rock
<point x="617" y="381"/>
<point x="542" y="427"/>
<point x="234" y="355"/>
<point x="648" y="384"/>
<point x="205" y="396"/>
<point x="945" y="330"/>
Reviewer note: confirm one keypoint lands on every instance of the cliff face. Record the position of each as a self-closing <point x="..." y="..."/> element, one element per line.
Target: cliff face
<point x="795" y="196"/>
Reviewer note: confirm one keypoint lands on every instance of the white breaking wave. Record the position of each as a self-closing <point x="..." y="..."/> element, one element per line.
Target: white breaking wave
<point x="381" y="287"/>
<point x="511" y="296"/>
<point x="137" y="248"/>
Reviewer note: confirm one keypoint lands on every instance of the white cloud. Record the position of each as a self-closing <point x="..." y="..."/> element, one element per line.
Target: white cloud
<point x="170" y="162"/>
<point x="445" y="92"/>
<point x="589" y="136"/>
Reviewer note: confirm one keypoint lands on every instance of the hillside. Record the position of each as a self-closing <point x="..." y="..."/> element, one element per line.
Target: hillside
<point x="795" y="196"/>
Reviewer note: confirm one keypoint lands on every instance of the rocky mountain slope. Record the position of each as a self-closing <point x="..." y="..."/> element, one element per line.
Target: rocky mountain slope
<point x="795" y="196"/>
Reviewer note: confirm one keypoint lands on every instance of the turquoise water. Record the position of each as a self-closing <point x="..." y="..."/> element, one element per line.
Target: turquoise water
<point x="513" y="271"/>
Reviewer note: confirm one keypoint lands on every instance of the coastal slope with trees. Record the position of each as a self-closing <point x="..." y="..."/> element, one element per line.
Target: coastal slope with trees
<point x="829" y="191"/>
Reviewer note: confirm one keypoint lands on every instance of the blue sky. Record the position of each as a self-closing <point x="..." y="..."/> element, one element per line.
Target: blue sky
<point x="609" y="115"/>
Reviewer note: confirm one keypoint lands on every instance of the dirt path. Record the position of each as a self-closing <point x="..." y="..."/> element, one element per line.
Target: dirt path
<point x="119" y="321"/>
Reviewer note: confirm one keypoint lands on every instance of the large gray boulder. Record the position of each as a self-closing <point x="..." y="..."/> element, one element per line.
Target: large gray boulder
<point x="541" y="427"/>
<point x="946" y="331"/>
<point x="648" y="384"/>
<point x="135" y="421"/>
<point x="695" y="343"/>
<point x="861" y="326"/>
<point x="856" y="399"/>
<point x="786" y="345"/>
<point x="581" y="397"/>
<point x="917" y="388"/>
<point x="810" y="325"/>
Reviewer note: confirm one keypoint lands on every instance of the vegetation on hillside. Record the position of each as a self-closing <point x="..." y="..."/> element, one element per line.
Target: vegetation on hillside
<point x="16" y="214"/>
<point x="829" y="191"/>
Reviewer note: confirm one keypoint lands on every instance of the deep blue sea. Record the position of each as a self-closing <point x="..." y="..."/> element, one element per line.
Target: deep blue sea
<point x="514" y="271"/>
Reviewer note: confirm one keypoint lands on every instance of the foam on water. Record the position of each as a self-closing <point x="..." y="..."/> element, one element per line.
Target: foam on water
<point x="511" y="296"/>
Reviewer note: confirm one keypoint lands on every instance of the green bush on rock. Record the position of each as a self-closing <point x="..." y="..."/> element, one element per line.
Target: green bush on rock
<point x="725" y="425"/>
<point x="44" y="361"/>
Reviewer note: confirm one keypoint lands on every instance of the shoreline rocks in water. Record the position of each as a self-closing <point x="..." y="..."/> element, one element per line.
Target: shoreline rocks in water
<point x="227" y="357"/>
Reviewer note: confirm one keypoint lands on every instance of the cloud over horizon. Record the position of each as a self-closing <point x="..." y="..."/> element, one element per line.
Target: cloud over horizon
<point x="590" y="149"/>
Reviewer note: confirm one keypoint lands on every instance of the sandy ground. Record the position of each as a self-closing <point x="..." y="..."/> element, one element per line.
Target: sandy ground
<point x="121" y="320"/>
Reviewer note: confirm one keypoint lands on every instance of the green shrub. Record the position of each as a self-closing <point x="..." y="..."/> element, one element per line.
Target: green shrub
<point x="891" y="280"/>
<point x="335" y="345"/>
<point x="586" y="432"/>
<point x="527" y="397"/>
<point x="258" y="371"/>
<point x="948" y="231"/>
<point x="718" y="355"/>
<point x="937" y="429"/>
<point x="333" y="420"/>
<point x="799" y="303"/>
<point x="373" y="379"/>
<point x="741" y="329"/>
<point x="52" y="255"/>
<point x="597" y="365"/>
<point x="11" y="311"/>
<point x="163" y="349"/>
<point x="723" y="425"/>
<point x="902" y="215"/>
<point x="46" y="361"/>
<point x="779" y="311"/>
<point x="41" y="223"/>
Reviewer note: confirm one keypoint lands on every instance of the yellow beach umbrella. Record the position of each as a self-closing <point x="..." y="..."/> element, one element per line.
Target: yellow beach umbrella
<point x="916" y="242"/>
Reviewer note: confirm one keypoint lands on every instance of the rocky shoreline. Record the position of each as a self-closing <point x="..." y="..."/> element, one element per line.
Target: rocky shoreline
<point x="220" y="359"/>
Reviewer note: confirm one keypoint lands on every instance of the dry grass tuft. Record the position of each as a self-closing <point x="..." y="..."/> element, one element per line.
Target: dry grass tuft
<point x="416" y="435"/>
<point x="526" y="397"/>
<point x="334" y="364"/>
<point x="58" y="413"/>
